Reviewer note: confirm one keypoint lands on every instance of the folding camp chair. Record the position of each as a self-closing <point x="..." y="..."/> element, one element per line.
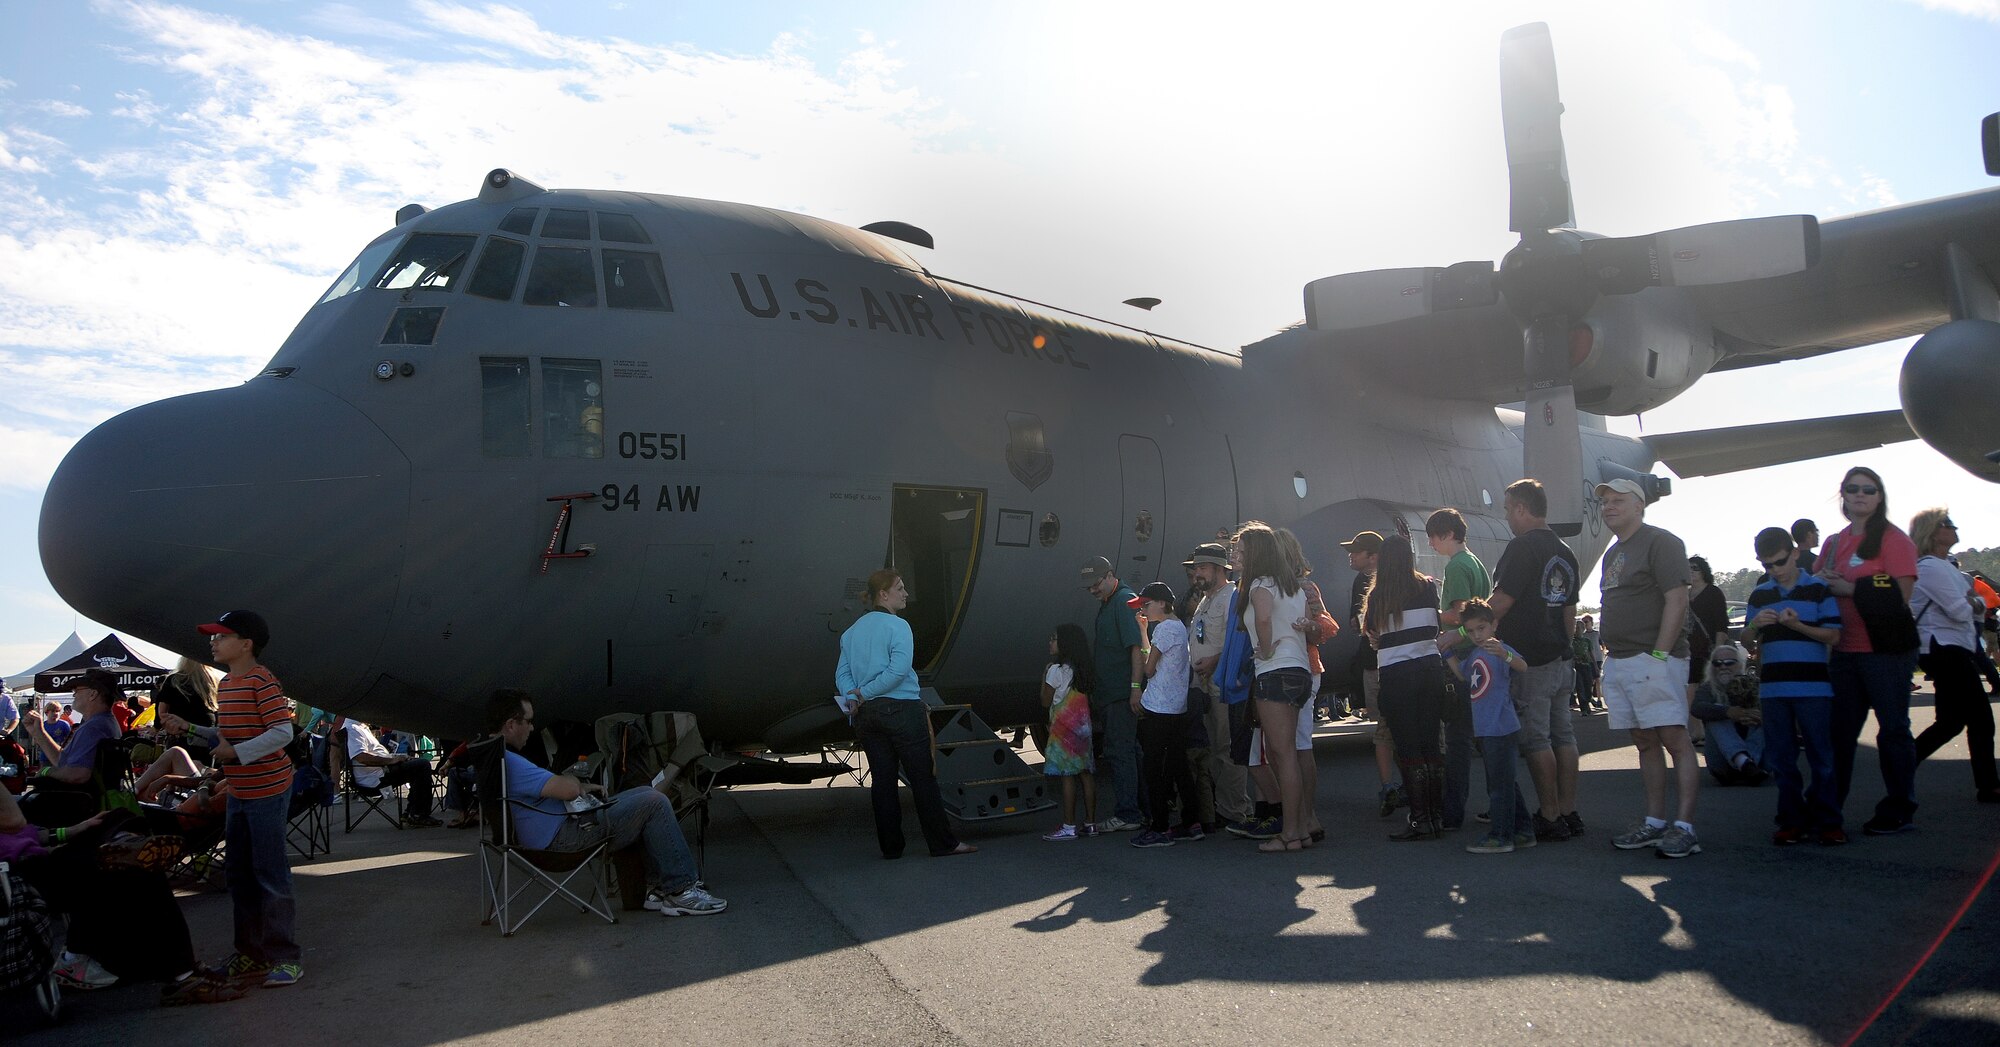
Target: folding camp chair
<point x="309" y="829"/>
<point x="371" y="799"/>
<point x="507" y="870"/>
<point x="635" y="749"/>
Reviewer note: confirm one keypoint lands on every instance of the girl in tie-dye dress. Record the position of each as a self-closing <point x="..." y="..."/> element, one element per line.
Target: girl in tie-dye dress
<point x="1066" y="687"/>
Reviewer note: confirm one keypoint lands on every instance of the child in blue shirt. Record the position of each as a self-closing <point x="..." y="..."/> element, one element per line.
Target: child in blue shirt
<point x="1796" y="621"/>
<point x="1485" y="669"/>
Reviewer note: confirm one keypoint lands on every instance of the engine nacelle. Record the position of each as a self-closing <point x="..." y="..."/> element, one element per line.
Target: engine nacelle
<point x="1950" y="382"/>
<point x="1646" y="349"/>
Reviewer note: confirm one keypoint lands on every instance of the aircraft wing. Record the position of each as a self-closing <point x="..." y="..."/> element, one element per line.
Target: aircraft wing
<point x="1882" y="275"/>
<point x="1706" y="452"/>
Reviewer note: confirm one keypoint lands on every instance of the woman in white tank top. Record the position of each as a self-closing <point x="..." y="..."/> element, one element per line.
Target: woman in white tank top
<point x="1270" y="607"/>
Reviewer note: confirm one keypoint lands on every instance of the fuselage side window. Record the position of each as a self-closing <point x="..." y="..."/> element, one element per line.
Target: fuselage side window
<point x="520" y="221"/>
<point x="566" y="224"/>
<point x="635" y="280"/>
<point x="430" y="261"/>
<point x="504" y="419"/>
<point x="620" y="229"/>
<point x="499" y="269"/>
<point x="362" y="272"/>
<point x="572" y="408"/>
<point x="561" y="276"/>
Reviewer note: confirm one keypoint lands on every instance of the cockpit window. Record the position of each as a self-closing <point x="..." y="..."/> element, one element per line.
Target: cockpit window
<point x="363" y="270"/>
<point x="520" y="221"/>
<point x="572" y="409"/>
<point x="499" y="269"/>
<point x="562" y="276"/>
<point x="429" y="261"/>
<point x="634" y="280"/>
<point x="565" y="224"/>
<point x="621" y="229"/>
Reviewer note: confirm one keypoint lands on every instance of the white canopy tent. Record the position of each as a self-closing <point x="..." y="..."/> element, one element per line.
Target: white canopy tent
<point x="25" y="679"/>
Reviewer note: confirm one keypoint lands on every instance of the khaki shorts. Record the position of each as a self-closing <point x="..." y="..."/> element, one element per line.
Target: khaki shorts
<point x="1642" y="692"/>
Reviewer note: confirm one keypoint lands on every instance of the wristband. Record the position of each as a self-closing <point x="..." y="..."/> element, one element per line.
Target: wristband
<point x="1463" y="634"/>
<point x="61" y="835"/>
<point x="1135" y="687"/>
<point x="1661" y="655"/>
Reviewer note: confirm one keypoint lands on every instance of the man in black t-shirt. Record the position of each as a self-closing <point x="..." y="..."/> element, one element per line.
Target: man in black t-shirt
<point x="1534" y="596"/>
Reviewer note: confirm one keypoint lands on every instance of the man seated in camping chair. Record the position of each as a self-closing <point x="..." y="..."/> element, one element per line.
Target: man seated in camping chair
<point x="68" y="791"/>
<point x="642" y="814"/>
<point x="375" y="767"/>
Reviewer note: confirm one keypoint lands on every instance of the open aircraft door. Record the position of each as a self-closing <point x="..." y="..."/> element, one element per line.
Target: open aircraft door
<point x="1142" y="522"/>
<point x="934" y="540"/>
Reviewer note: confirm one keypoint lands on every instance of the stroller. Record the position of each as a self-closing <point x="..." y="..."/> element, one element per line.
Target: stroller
<point x="31" y="941"/>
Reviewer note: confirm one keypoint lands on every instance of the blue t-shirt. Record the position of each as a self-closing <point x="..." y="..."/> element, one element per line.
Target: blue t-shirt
<point x="1790" y="664"/>
<point x="1487" y="679"/>
<point x="81" y="749"/>
<point x="533" y="828"/>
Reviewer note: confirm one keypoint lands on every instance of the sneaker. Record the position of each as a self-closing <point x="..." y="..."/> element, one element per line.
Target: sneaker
<point x="1644" y="836"/>
<point x="1491" y="845"/>
<point x="1677" y="842"/>
<point x="1061" y="832"/>
<point x="1152" y="838"/>
<point x="1524" y="840"/>
<point x="1485" y="817"/>
<point x="199" y="988"/>
<point x="1392" y="798"/>
<point x="1832" y="837"/>
<point x="420" y="821"/>
<point x="1265" y="829"/>
<point x="237" y="968"/>
<point x="1087" y="830"/>
<point x="1552" y="831"/>
<point x="283" y="974"/>
<point x="1115" y="824"/>
<point x="1883" y="825"/>
<point x="1189" y="833"/>
<point x="1788" y="837"/>
<point x="1574" y="823"/>
<point x="82" y="972"/>
<point x="695" y="901"/>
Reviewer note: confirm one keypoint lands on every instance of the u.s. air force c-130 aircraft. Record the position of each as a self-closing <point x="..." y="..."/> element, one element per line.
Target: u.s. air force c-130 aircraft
<point x="637" y="452"/>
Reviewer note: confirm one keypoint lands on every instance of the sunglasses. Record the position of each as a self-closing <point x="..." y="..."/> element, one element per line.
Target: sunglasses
<point x="1860" y="489"/>
<point x="1772" y="565"/>
<point x="1947" y="523"/>
<point x="1724" y="663"/>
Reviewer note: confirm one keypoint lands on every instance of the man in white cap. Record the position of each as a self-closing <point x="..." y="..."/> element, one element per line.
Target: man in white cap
<point x="1645" y="596"/>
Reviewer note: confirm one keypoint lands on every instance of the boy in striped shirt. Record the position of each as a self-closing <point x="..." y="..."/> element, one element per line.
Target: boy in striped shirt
<point x="1796" y="621"/>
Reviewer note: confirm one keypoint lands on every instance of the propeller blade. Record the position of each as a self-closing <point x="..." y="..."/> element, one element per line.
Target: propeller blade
<point x="1552" y="444"/>
<point x="1716" y="253"/>
<point x="1383" y="296"/>
<point x="1531" y="115"/>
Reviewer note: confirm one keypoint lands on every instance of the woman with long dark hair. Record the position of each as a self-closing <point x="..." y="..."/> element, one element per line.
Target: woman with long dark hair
<point x="1947" y="616"/>
<point x="1871" y="567"/>
<point x="1400" y="616"/>
<point x="878" y="688"/>
<point x="1270" y="604"/>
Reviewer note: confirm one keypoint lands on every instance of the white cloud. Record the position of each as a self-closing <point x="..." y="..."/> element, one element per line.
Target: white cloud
<point x="57" y="107"/>
<point x="1984" y="9"/>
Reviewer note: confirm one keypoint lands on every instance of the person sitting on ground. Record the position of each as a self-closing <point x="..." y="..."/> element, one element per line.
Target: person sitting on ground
<point x="640" y="814"/>
<point x="1727" y="701"/>
<point x="64" y="794"/>
<point x="375" y="767"/>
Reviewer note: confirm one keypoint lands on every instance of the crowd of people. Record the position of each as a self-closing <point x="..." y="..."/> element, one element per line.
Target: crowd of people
<point x="1190" y="714"/>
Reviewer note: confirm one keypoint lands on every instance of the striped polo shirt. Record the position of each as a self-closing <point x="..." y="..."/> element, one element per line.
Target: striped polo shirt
<point x="247" y="705"/>
<point x="1414" y="633"/>
<point x="1792" y="665"/>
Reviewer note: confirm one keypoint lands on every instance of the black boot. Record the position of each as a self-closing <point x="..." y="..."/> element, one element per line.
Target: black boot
<point x="1423" y="785"/>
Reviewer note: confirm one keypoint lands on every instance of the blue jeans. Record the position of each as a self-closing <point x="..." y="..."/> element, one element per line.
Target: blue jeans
<point x="1504" y="803"/>
<point x="1116" y="724"/>
<point x="1880" y="682"/>
<point x="1813" y="805"/>
<point x="1724" y="743"/>
<point x="260" y="878"/>
<point x="640" y="813"/>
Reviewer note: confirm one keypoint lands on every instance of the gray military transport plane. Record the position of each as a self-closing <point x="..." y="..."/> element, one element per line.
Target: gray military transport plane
<point x="634" y="452"/>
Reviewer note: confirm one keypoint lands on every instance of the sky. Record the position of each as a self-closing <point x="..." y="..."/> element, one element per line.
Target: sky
<point x="178" y="183"/>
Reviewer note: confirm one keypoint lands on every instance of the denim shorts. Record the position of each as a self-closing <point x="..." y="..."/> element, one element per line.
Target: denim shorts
<point x="1290" y="685"/>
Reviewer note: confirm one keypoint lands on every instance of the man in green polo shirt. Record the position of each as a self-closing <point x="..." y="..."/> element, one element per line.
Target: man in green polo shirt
<point x="1115" y="653"/>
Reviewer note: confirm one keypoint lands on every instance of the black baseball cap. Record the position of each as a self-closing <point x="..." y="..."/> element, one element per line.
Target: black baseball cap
<point x="1153" y="591"/>
<point x="247" y="624"/>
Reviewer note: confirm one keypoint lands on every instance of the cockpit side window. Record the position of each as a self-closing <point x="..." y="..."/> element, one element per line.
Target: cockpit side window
<point x="566" y="224"/>
<point x="621" y="229"/>
<point x="362" y="272"/>
<point x="428" y="261"/>
<point x="572" y="408"/>
<point x="504" y="426"/>
<point x="634" y="280"/>
<point x="562" y="276"/>
<point x="499" y="269"/>
<point x="520" y="221"/>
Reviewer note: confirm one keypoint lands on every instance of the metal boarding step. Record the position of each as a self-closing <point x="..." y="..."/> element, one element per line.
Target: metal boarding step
<point x="980" y="776"/>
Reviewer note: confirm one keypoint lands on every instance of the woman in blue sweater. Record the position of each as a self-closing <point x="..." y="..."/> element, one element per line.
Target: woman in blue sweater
<point x="878" y="688"/>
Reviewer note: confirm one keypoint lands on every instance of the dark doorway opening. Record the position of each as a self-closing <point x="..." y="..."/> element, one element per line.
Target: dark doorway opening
<point x="934" y="541"/>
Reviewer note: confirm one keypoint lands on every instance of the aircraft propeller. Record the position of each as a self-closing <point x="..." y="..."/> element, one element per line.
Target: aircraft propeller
<point x="1550" y="280"/>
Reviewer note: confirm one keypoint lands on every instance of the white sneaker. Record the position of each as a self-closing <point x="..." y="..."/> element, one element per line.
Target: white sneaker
<point x="1067" y="832"/>
<point x="1115" y="824"/>
<point x="83" y="972"/>
<point x="695" y="901"/>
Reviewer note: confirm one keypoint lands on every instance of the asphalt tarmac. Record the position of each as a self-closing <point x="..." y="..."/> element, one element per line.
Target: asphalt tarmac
<point x="1359" y="940"/>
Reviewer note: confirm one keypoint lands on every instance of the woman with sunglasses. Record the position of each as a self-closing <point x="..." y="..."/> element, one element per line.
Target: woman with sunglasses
<point x="1947" y="613"/>
<point x="1871" y="567"/>
<point x="1726" y="700"/>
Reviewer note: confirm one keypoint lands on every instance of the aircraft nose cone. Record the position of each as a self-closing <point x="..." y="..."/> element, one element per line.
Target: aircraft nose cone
<point x="273" y="496"/>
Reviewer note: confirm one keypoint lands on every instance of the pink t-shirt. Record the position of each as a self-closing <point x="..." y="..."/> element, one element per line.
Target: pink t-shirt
<point x="1897" y="558"/>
